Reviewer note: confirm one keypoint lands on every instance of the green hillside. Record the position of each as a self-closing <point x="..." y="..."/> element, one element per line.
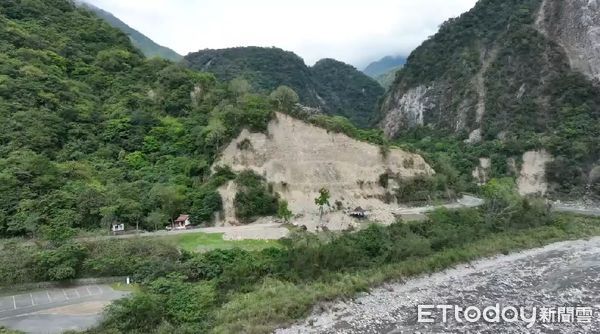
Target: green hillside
<point x="332" y="86"/>
<point x="92" y="133"/>
<point x="139" y="40"/>
<point x="493" y="70"/>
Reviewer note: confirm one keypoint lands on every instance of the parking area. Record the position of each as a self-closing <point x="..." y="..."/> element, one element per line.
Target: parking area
<point x="56" y="310"/>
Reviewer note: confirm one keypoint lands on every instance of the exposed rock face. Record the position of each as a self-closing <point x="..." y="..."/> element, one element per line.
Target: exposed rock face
<point x="455" y="96"/>
<point x="506" y="72"/>
<point x="481" y="173"/>
<point x="532" y="179"/>
<point x="575" y="25"/>
<point x="407" y="110"/>
<point x="298" y="159"/>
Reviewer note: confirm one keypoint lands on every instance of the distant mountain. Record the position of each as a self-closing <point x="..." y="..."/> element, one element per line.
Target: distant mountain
<point x="384" y="65"/>
<point x="148" y="47"/>
<point x="334" y="87"/>
<point x="387" y="79"/>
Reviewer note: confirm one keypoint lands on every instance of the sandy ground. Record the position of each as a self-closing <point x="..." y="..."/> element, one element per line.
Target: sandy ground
<point x="559" y="275"/>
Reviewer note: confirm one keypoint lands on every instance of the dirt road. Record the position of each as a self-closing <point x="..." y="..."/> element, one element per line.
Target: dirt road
<point x="275" y="231"/>
<point x="560" y="275"/>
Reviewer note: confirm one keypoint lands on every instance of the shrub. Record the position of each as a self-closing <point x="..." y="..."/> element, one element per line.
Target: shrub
<point x="254" y="198"/>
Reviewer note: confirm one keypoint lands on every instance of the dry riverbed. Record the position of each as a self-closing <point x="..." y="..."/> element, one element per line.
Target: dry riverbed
<point x="564" y="274"/>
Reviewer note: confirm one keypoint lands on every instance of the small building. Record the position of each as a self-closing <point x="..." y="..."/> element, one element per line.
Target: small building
<point x="182" y="222"/>
<point x="116" y="228"/>
<point x="358" y="213"/>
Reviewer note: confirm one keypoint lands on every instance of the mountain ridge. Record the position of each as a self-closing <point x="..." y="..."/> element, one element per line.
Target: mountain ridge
<point x="493" y="77"/>
<point x="333" y="87"/>
<point x="139" y="40"/>
<point x="384" y="65"/>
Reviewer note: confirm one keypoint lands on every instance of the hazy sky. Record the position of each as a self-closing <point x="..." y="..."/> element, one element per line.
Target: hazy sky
<point x="355" y="32"/>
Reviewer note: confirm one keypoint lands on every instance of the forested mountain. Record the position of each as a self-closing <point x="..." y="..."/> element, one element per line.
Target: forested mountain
<point x="334" y="87"/>
<point x="384" y="65"/>
<point x="387" y="79"/>
<point x="346" y="91"/>
<point x="139" y="40"/>
<point x="92" y="133"/>
<point x="511" y="76"/>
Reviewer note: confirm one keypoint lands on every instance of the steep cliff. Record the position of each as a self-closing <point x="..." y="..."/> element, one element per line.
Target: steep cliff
<point x="575" y="26"/>
<point x="511" y="76"/>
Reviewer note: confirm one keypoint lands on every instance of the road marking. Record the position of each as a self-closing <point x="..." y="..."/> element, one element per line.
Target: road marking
<point x="64" y="293"/>
<point x="78" y="295"/>
<point x="88" y="290"/>
<point x="32" y="301"/>
<point x="14" y="303"/>
<point x="49" y="298"/>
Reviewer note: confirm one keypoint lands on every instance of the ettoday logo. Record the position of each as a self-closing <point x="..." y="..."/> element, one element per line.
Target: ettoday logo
<point x="505" y="314"/>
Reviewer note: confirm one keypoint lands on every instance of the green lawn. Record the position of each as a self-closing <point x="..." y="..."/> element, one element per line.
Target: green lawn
<point x="202" y="242"/>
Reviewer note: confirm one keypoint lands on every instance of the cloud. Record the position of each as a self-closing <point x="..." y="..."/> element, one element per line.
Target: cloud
<point x="355" y="32"/>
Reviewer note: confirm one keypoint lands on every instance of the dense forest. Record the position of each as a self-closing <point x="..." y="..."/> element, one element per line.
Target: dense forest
<point x="532" y="99"/>
<point x="334" y="87"/>
<point x="92" y="133"/>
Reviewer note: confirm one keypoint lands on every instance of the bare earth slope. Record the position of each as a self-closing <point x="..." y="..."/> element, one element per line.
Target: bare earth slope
<point x="299" y="159"/>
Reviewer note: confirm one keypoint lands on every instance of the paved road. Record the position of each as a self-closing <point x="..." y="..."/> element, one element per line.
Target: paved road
<point x="578" y="209"/>
<point x="275" y="231"/>
<point x="56" y="310"/>
<point x="266" y="231"/>
<point x="561" y="275"/>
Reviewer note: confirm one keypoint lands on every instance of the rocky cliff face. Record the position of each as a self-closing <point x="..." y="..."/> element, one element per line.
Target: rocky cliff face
<point x="522" y="74"/>
<point x="575" y="26"/>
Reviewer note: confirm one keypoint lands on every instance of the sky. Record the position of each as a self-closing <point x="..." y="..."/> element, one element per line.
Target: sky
<point x="355" y="32"/>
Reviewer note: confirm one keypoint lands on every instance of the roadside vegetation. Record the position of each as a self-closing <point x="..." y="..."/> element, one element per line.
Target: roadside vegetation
<point x="241" y="291"/>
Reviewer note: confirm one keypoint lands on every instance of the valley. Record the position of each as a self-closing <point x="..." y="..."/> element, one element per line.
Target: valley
<point x="243" y="190"/>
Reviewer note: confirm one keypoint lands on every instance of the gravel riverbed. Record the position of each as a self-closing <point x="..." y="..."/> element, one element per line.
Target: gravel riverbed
<point x="565" y="274"/>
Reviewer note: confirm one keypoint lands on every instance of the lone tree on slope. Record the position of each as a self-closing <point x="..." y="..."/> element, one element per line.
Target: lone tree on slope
<point x="321" y="201"/>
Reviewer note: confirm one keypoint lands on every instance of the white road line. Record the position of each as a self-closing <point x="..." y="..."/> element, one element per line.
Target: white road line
<point x="14" y="303"/>
<point x="32" y="301"/>
<point x="64" y="293"/>
<point x="49" y="298"/>
<point x="88" y="290"/>
<point x="78" y="295"/>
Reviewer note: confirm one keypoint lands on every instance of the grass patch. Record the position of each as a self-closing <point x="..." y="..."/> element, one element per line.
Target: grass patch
<point x="125" y="287"/>
<point x="202" y="242"/>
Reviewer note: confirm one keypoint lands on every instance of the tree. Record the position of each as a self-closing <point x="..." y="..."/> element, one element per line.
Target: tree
<point x="284" y="98"/>
<point x="284" y="212"/>
<point x="170" y="199"/>
<point x="156" y="219"/>
<point x="321" y="201"/>
<point x="502" y="201"/>
<point x="239" y="87"/>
